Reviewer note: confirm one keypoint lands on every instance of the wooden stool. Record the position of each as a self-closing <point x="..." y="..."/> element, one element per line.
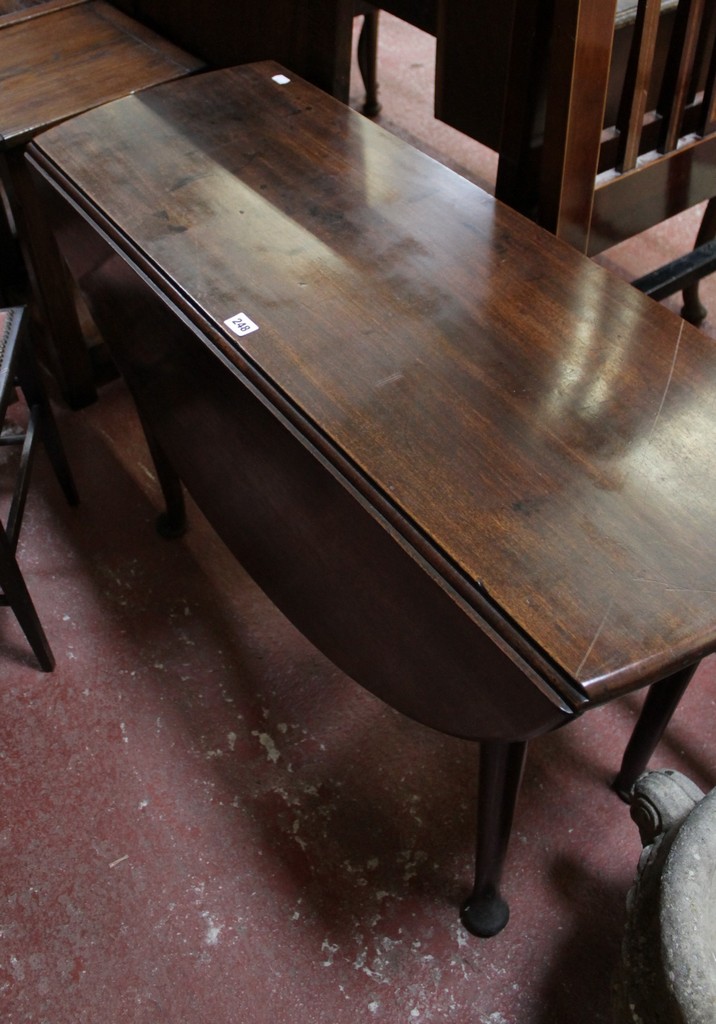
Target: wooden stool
<point x="18" y="367"/>
<point x="59" y="58"/>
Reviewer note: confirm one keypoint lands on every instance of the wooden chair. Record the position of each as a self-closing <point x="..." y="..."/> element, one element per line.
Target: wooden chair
<point x="492" y="28"/>
<point x="522" y="79"/>
<point x="420" y="13"/>
<point x="18" y="368"/>
<point x="595" y="177"/>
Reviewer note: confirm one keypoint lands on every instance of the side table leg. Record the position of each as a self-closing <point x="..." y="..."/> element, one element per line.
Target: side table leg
<point x="486" y="913"/>
<point x="368" y="61"/>
<point x="31" y="382"/>
<point x="13" y="283"/>
<point x="693" y="309"/>
<point x="659" y="706"/>
<point x="50" y="286"/>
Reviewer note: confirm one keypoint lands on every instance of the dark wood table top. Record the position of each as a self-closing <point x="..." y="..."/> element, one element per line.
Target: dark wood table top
<point x="13" y="11"/>
<point x="104" y="55"/>
<point x="542" y="432"/>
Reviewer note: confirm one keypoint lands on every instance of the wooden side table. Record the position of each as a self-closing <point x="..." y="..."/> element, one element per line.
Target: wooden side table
<point x="56" y="60"/>
<point x="474" y="468"/>
<point x="14" y="11"/>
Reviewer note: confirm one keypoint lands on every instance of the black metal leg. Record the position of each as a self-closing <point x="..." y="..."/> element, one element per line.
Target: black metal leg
<point x="660" y="703"/>
<point x="486" y="913"/>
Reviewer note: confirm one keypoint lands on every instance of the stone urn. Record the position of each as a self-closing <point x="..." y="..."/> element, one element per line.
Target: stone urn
<point x="668" y="969"/>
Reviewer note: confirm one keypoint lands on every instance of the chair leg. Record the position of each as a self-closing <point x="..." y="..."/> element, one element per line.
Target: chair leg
<point x="18" y="598"/>
<point x="485" y="912"/>
<point x="660" y="703"/>
<point x="368" y="61"/>
<point x="693" y="309"/>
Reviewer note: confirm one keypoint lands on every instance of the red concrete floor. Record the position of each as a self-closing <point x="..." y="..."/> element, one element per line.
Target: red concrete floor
<point x="203" y="822"/>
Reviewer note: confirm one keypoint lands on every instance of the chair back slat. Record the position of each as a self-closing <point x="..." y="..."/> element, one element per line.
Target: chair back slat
<point x="575" y="102"/>
<point x="630" y="120"/>
<point x="707" y="122"/>
<point x="611" y="139"/>
<point x="679" y="73"/>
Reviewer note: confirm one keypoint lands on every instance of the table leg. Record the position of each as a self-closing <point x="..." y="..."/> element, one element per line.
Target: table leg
<point x="33" y="388"/>
<point x="172" y="522"/>
<point x="368" y="60"/>
<point x="486" y="913"/>
<point x="693" y="309"/>
<point x="50" y="285"/>
<point x="659" y="706"/>
<point x="13" y="286"/>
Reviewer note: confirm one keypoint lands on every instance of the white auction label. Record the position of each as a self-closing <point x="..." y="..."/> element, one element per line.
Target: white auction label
<point x="241" y="324"/>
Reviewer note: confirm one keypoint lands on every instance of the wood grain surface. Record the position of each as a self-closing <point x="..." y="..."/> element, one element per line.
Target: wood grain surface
<point x="73" y="57"/>
<point x="538" y="433"/>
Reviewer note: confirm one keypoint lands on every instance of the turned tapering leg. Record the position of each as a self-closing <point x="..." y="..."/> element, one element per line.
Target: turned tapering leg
<point x="659" y="706"/>
<point x="368" y="61"/>
<point x="693" y="309"/>
<point x="486" y="913"/>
